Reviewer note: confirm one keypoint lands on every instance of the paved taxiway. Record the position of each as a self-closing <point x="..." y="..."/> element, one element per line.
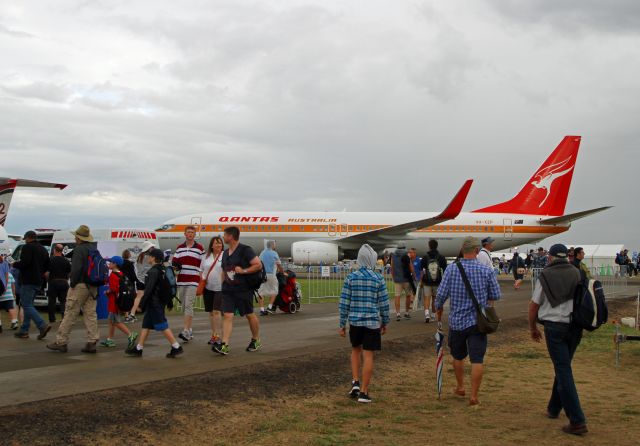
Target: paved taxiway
<point x="30" y="372"/>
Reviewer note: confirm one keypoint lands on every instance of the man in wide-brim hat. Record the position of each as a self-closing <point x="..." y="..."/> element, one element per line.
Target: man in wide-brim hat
<point x="82" y="296"/>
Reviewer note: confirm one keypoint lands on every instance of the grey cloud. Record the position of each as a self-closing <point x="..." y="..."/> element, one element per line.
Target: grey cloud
<point x="568" y="16"/>
<point x="237" y="105"/>
<point x="45" y="91"/>
<point x="13" y="33"/>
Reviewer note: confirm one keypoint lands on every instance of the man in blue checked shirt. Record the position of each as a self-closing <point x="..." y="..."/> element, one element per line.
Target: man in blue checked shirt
<point x="364" y="302"/>
<point x="464" y="337"/>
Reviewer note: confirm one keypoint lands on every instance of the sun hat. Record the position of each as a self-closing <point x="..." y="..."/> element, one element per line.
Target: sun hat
<point x="83" y="233"/>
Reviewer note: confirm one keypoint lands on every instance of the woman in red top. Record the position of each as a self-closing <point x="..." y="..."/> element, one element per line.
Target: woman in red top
<point x="116" y="317"/>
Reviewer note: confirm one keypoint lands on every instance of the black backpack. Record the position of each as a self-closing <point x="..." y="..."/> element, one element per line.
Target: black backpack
<point x="126" y="294"/>
<point x="167" y="289"/>
<point x="255" y="280"/>
<point x="589" y="305"/>
<point x="433" y="272"/>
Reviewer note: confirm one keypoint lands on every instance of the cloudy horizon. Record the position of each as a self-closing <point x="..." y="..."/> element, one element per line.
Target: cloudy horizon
<point x="153" y="109"/>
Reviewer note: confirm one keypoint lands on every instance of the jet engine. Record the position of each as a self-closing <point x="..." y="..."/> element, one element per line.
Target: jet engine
<point x="314" y="253"/>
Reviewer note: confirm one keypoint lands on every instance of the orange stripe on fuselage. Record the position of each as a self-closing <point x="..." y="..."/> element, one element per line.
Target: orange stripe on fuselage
<point x="357" y="229"/>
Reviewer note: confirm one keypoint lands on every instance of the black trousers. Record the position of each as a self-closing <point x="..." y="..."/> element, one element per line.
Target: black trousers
<point x="57" y="291"/>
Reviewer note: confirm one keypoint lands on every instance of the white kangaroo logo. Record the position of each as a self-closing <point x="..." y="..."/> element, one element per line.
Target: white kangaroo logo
<point x="547" y="175"/>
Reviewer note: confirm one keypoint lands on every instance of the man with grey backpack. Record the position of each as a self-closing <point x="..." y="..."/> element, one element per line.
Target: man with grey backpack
<point x="432" y="266"/>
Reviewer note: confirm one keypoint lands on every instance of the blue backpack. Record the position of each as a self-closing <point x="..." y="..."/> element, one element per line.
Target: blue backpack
<point x="97" y="271"/>
<point x="168" y="286"/>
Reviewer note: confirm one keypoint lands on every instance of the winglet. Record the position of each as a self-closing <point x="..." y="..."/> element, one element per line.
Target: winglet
<point x="455" y="207"/>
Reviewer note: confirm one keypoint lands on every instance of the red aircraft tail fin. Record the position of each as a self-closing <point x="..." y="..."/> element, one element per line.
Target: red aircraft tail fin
<point x="547" y="191"/>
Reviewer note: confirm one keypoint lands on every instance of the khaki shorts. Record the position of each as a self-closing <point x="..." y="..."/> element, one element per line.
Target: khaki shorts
<point x="406" y="286"/>
<point x="187" y="295"/>
<point x="430" y="290"/>
<point x="270" y="287"/>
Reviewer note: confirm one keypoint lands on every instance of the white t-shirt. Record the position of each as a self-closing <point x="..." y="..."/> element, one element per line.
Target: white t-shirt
<point x="484" y="258"/>
<point x="213" y="280"/>
<point x="561" y="313"/>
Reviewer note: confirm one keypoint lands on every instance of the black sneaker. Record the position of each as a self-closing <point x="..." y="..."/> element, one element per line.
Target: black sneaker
<point x="398" y="317"/>
<point x="175" y="352"/>
<point x="271" y="310"/>
<point x="133" y="352"/>
<point x="363" y="398"/>
<point x="184" y="336"/>
<point x="14" y="325"/>
<point x="407" y="316"/>
<point x="355" y="389"/>
<point x="263" y="312"/>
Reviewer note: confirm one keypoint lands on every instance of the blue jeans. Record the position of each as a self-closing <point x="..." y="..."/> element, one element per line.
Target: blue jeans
<point x="27" y="295"/>
<point x="562" y="342"/>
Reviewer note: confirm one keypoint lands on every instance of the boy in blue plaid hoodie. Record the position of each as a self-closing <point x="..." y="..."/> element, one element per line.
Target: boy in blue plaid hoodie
<point x="364" y="303"/>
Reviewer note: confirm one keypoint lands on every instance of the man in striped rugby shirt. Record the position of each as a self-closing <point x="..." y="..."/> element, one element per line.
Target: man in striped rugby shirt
<point x="187" y="261"/>
<point x="364" y="302"/>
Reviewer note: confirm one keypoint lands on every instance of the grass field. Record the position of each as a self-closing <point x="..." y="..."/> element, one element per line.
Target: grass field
<point x="406" y="411"/>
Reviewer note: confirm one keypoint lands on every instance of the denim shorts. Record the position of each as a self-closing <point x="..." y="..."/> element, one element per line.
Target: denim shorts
<point x="7" y="305"/>
<point x="154" y="319"/>
<point x="468" y="342"/>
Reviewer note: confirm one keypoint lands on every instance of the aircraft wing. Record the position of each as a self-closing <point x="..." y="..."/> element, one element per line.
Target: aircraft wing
<point x="30" y="183"/>
<point x="572" y="217"/>
<point x="398" y="231"/>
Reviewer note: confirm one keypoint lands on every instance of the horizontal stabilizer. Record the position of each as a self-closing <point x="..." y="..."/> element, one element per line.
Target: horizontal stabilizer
<point x="19" y="182"/>
<point x="572" y="217"/>
<point x="451" y="211"/>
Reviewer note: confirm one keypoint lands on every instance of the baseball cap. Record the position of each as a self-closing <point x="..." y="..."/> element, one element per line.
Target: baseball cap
<point x="558" y="250"/>
<point x="156" y="254"/>
<point x="146" y="246"/>
<point x="116" y="259"/>
<point x="487" y="240"/>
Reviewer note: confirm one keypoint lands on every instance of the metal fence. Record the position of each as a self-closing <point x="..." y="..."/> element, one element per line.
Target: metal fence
<point x="325" y="282"/>
<point x="613" y="280"/>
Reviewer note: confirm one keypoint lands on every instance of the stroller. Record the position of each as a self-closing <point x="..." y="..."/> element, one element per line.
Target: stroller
<point x="289" y="296"/>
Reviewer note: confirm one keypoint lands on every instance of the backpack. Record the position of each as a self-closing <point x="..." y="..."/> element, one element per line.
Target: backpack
<point x="167" y="285"/>
<point x="589" y="305"/>
<point x="126" y="293"/>
<point x="255" y="280"/>
<point x="2" y="288"/>
<point x="96" y="270"/>
<point x="433" y="270"/>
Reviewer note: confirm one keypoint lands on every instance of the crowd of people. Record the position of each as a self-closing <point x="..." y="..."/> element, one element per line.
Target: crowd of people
<point x="221" y="275"/>
<point x="365" y="306"/>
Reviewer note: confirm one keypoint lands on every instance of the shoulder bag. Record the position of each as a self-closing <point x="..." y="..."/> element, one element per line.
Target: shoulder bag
<point x="487" y="318"/>
<point x="203" y="282"/>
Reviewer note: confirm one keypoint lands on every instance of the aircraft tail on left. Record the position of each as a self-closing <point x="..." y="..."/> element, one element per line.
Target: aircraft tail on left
<point x="8" y="186"/>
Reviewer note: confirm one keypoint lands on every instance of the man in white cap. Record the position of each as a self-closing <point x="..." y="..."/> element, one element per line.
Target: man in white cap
<point x="82" y="296"/>
<point x="484" y="256"/>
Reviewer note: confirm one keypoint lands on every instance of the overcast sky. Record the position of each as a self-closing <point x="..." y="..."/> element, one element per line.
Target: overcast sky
<point x="154" y="109"/>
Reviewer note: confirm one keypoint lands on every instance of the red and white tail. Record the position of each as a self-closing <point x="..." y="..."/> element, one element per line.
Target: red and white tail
<point x="547" y="190"/>
<point x="8" y="186"/>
